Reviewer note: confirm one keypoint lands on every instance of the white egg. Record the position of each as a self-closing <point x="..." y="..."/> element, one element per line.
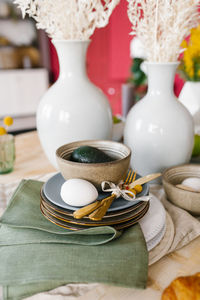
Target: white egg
<point x="192" y="182"/>
<point x="78" y="192"/>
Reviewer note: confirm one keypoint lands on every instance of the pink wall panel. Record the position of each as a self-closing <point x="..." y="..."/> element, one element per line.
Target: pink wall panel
<point x="119" y="50"/>
<point x="109" y="56"/>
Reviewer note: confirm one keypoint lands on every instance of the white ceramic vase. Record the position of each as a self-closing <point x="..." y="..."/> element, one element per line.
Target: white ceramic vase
<point x="159" y="129"/>
<point x="73" y="108"/>
<point x="190" y="98"/>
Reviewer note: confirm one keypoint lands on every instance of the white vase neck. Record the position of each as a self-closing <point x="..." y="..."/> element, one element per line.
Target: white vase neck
<point x="161" y="79"/>
<point x="72" y="58"/>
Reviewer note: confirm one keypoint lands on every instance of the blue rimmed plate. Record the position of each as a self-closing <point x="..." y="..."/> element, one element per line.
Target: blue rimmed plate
<point x="52" y="187"/>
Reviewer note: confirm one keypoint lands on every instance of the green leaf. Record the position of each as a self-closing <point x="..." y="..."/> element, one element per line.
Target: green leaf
<point x="136" y="64"/>
<point x="139" y="78"/>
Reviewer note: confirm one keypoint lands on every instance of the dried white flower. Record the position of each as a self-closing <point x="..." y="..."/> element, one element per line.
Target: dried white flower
<point x="68" y="19"/>
<point x="137" y="49"/>
<point x="161" y="25"/>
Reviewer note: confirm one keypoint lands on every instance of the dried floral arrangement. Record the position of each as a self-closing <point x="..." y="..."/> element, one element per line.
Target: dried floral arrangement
<point x="190" y="62"/>
<point x="161" y="25"/>
<point x="68" y="19"/>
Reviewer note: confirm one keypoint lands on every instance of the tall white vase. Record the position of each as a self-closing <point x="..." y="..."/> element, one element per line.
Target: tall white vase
<point x="190" y="98"/>
<point x="159" y="129"/>
<point x="73" y="108"/>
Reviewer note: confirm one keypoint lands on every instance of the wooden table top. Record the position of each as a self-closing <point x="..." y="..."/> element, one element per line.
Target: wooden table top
<point x="31" y="161"/>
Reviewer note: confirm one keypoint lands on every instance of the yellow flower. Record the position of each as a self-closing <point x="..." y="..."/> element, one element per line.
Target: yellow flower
<point x="189" y="64"/>
<point x="2" y="131"/>
<point x="191" y="54"/>
<point x="184" y="44"/>
<point x="8" y="121"/>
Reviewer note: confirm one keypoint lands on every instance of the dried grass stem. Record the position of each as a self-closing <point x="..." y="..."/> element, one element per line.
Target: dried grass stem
<point x="162" y="25"/>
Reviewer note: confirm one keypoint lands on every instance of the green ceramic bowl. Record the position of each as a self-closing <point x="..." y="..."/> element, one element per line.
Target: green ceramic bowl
<point x="189" y="201"/>
<point x="112" y="171"/>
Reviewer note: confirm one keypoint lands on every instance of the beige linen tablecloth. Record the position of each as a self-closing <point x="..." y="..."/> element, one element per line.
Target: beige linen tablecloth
<point x="182" y="229"/>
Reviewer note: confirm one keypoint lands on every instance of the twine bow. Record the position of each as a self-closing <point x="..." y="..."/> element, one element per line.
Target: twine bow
<point x="119" y="192"/>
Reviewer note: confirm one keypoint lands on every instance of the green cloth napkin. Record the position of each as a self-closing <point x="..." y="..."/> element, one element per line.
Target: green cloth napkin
<point x="37" y="255"/>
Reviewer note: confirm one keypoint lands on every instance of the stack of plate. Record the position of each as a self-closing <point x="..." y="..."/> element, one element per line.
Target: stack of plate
<point x="153" y="224"/>
<point x="121" y="214"/>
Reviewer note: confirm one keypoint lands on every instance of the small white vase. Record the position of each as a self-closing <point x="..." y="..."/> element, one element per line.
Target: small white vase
<point x="73" y="108"/>
<point x="159" y="129"/>
<point x="190" y="98"/>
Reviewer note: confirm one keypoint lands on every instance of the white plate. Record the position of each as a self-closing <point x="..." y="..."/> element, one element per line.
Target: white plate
<point x="153" y="223"/>
<point x="162" y="248"/>
<point x="156" y="240"/>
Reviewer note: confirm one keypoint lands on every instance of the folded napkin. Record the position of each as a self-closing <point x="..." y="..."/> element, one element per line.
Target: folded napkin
<point x="37" y="255"/>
